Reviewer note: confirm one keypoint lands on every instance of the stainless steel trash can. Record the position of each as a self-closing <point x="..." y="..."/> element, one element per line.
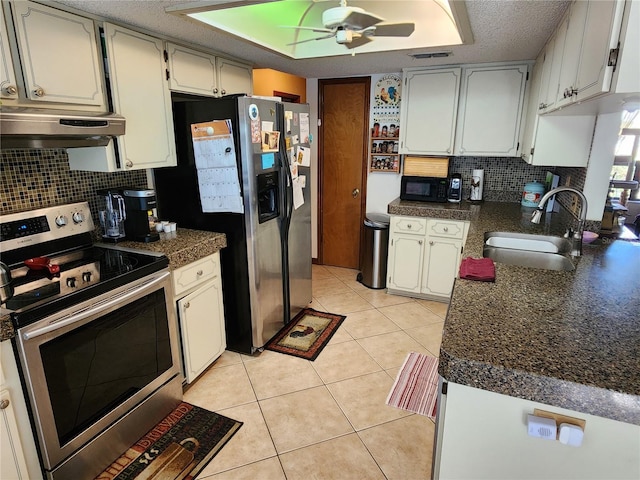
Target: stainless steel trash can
<point x="373" y="257"/>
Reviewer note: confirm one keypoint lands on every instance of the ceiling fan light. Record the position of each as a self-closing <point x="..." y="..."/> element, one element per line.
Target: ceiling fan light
<point x="344" y="36"/>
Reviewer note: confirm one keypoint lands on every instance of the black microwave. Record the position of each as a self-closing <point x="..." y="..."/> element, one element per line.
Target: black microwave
<point x="423" y="189"/>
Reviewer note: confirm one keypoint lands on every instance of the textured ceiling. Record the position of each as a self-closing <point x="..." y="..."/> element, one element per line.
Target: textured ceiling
<point x="503" y="30"/>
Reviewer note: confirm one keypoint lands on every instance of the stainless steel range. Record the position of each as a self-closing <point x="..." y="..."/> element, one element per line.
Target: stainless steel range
<point x="96" y="338"/>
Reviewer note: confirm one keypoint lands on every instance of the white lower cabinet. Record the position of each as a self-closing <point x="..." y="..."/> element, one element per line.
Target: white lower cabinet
<point x="424" y="256"/>
<point x="198" y="296"/>
<point x="12" y="461"/>
<point x="18" y="457"/>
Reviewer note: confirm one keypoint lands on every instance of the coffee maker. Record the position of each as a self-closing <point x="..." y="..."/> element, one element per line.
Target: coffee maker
<point x="112" y="215"/>
<point x="140" y="222"/>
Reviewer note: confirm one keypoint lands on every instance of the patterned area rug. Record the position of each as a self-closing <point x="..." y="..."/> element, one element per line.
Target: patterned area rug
<point x="177" y="448"/>
<point x="307" y="334"/>
<point x="416" y="386"/>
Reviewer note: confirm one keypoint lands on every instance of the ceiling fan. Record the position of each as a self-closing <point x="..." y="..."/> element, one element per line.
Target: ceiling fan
<point x="354" y="27"/>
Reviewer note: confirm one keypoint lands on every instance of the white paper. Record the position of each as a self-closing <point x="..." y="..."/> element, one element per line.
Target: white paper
<point x="304" y="127"/>
<point x="268" y="126"/>
<point x="298" y="195"/>
<point x="217" y="170"/>
<point x="302" y="180"/>
<point x="304" y="156"/>
<point x="295" y="139"/>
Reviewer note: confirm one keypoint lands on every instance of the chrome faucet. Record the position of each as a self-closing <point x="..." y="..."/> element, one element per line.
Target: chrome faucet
<point x="576" y="237"/>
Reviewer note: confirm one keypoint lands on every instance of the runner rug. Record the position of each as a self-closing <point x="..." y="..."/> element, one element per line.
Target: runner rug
<point x="178" y="447"/>
<point x="307" y="334"/>
<point x="416" y="386"/>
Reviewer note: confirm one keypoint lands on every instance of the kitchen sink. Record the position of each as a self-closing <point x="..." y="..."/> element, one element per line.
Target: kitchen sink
<point x="526" y="250"/>
<point x="529" y="242"/>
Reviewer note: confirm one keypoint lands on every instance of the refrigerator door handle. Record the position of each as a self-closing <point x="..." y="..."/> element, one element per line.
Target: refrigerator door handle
<point x="286" y="220"/>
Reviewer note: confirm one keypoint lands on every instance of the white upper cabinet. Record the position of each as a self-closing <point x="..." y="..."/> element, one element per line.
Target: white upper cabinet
<point x="429" y="111"/>
<point x="140" y="94"/>
<point x="59" y="56"/>
<point x="8" y="85"/>
<point x="234" y="77"/>
<point x="198" y="73"/>
<point x="574" y="24"/>
<point x="490" y="113"/>
<point x="543" y="65"/>
<point x="591" y="49"/>
<point x="599" y="48"/>
<point x="191" y="71"/>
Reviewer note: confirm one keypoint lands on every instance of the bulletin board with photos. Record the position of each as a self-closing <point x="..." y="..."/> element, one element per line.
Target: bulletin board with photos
<point x="385" y="131"/>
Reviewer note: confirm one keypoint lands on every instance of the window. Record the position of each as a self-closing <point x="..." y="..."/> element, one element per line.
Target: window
<point x="626" y="165"/>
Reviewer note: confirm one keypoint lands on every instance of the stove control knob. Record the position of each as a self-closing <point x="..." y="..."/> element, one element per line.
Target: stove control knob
<point x="61" y="220"/>
<point x="78" y="217"/>
<point x="71" y="282"/>
<point x="86" y="277"/>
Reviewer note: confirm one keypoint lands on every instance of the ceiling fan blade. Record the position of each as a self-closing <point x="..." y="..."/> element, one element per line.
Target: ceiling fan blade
<point x="357" y="42"/>
<point x="394" y="30"/>
<point x="311" y="39"/>
<point x="361" y="20"/>
<point x="313" y="29"/>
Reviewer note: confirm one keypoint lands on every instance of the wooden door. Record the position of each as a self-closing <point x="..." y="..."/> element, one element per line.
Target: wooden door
<point x="342" y="153"/>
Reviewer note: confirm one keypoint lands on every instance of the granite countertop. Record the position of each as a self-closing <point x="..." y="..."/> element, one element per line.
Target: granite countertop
<point x="566" y="339"/>
<point x="181" y="248"/>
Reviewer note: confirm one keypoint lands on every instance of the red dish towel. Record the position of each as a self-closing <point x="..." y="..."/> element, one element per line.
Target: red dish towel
<point x="481" y="269"/>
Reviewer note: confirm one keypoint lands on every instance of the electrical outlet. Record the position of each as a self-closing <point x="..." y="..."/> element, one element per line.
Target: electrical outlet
<point x="574" y="205"/>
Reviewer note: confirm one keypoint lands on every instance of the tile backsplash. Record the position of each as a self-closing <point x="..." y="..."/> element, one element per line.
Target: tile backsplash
<point x="34" y="179"/>
<point x="504" y="177"/>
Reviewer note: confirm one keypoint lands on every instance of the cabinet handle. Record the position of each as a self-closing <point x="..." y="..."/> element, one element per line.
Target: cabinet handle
<point x="4" y="404"/>
<point x="355" y="192"/>
<point x="430" y="242"/>
<point x="215" y="90"/>
<point x="38" y="92"/>
<point x="199" y="273"/>
<point x="11" y="90"/>
<point x="446" y="229"/>
<point x="129" y="164"/>
<point x="223" y="92"/>
<point x="448" y="150"/>
<point x="409" y="225"/>
<point x="419" y="242"/>
<point x="187" y="305"/>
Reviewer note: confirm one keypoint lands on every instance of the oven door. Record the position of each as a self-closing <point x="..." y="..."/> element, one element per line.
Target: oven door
<point x="88" y="366"/>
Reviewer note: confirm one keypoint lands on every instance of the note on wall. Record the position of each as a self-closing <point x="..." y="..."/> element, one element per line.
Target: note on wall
<point x="217" y="170"/>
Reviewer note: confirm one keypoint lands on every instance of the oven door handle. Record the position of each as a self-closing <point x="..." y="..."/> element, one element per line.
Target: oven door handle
<point x="94" y="309"/>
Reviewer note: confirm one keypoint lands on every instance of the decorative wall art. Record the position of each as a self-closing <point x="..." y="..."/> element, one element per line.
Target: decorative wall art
<point x="385" y="130"/>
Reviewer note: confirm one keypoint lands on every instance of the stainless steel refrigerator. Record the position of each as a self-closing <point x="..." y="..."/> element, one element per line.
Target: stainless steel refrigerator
<point x="266" y="266"/>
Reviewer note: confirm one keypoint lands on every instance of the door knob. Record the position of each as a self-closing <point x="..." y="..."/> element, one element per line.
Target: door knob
<point x="355" y="192"/>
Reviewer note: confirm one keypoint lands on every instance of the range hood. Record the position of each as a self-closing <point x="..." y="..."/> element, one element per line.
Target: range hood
<point x="22" y="127"/>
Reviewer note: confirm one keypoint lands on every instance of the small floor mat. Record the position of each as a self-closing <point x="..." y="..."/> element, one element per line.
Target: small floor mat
<point x="178" y="447"/>
<point x="307" y="334"/>
<point x="416" y="386"/>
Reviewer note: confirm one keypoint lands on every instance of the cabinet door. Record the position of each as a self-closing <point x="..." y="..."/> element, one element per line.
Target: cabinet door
<point x="441" y="263"/>
<point x="530" y="120"/>
<point x="59" y="55"/>
<point x="404" y="266"/>
<point x="555" y="67"/>
<point x="191" y="71"/>
<point x="234" y="77"/>
<point x="8" y="85"/>
<point x="562" y="140"/>
<point x="201" y="317"/>
<point x="428" y="111"/>
<point x="491" y="102"/>
<point x="12" y="462"/>
<point x="571" y="53"/>
<point x="546" y="57"/>
<point x="601" y="33"/>
<point x="141" y="95"/>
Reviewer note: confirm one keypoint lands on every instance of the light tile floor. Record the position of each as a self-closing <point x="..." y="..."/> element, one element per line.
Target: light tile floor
<point x="327" y="419"/>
